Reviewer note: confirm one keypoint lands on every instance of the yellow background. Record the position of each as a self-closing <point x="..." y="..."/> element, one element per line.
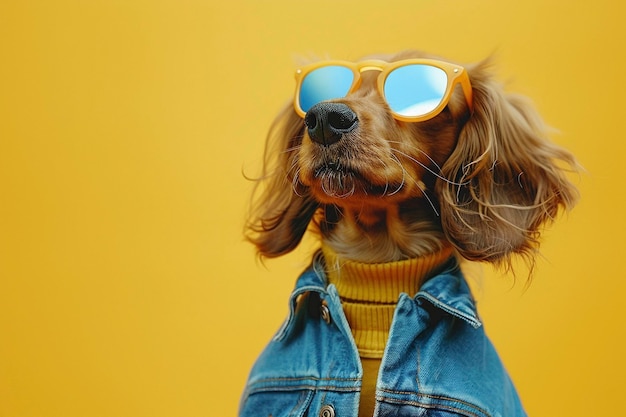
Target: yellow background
<point x="125" y="125"/>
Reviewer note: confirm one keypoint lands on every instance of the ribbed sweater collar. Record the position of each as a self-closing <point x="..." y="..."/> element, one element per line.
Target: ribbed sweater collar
<point x="369" y="293"/>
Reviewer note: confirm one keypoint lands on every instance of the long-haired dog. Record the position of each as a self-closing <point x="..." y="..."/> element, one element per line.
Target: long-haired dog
<point x="471" y="175"/>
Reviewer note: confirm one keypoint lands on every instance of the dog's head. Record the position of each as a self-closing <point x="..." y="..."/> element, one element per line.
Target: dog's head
<point x="383" y="181"/>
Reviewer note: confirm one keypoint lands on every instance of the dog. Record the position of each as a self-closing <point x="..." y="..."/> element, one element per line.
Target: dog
<point x="405" y="166"/>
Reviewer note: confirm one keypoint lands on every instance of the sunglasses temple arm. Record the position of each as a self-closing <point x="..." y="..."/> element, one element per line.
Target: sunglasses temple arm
<point x="467" y="90"/>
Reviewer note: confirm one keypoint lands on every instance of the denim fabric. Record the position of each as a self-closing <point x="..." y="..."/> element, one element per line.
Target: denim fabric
<point x="438" y="360"/>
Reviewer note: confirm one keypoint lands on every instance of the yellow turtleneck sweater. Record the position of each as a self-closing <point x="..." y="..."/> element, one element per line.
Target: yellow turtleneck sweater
<point x="369" y="294"/>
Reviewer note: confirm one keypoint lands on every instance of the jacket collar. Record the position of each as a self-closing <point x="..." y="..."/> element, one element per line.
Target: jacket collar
<point x="449" y="292"/>
<point x="446" y="291"/>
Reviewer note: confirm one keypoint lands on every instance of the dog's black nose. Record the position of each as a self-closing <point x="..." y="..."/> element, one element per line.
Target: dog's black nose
<point x="327" y="122"/>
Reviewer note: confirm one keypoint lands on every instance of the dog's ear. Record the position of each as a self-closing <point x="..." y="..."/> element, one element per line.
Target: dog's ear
<point x="281" y="209"/>
<point x="506" y="178"/>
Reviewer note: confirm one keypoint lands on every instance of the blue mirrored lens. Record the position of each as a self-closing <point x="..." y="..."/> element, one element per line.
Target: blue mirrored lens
<point x="325" y="83"/>
<point x="415" y="90"/>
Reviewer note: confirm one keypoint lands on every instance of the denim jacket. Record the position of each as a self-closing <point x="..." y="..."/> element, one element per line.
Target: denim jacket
<point x="437" y="362"/>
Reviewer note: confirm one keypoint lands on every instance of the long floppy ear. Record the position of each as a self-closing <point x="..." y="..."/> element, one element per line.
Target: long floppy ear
<point x="506" y="179"/>
<point x="280" y="210"/>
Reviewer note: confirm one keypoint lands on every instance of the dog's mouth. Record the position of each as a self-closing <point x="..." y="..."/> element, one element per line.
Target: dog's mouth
<point x="339" y="181"/>
<point x="333" y="168"/>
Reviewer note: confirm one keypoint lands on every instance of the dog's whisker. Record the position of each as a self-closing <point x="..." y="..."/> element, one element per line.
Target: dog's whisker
<point x="296" y="182"/>
<point x="295" y="166"/>
<point x="385" y="191"/>
<point x="419" y="185"/>
<point x="404" y="174"/>
<point x="432" y="205"/>
<point x="329" y="188"/>
<point x="297" y="145"/>
<point x="417" y="149"/>
<point x="427" y="168"/>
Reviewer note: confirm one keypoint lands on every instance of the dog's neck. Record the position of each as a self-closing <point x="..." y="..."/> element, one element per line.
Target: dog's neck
<point x="375" y="235"/>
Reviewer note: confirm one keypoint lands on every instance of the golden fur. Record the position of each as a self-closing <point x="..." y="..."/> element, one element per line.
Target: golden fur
<point x="486" y="182"/>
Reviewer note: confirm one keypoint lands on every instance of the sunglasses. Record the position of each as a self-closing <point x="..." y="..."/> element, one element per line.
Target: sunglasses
<point x="415" y="89"/>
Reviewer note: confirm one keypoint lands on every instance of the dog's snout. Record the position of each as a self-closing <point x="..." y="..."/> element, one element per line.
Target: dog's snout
<point x="328" y="122"/>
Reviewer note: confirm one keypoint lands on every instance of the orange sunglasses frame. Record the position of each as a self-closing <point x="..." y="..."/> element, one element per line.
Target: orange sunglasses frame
<point x="456" y="74"/>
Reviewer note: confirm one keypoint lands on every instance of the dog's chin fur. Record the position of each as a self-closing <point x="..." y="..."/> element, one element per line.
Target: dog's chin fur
<point x="484" y="181"/>
<point x="401" y="231"/>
